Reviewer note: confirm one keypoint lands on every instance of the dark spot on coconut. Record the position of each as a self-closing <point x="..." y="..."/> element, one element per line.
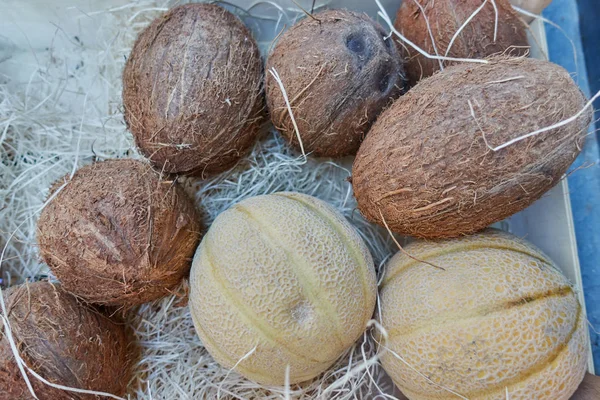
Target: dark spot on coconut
<point x="359" y="45"/>
<point x="387" y="41"/>
<point x="351" y="77"/>
<point x="385" y="80"/>
<point x="356" y="42"/>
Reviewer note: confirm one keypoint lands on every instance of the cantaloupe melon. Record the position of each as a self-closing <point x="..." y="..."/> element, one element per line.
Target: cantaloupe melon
<point x="500" y="316"/>
<point x="532" y="6"/>
<point x="281" y="280"/>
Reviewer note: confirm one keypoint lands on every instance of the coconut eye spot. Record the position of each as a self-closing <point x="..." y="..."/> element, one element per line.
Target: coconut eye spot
<point x="363" y="55"/>
<point x="387" y="41"/>
<point x="356" y="43"/>
<point x="384" y="82"/>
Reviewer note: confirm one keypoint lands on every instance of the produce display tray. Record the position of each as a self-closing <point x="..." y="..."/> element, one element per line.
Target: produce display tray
<point x="30" y="27"/>
<point x="548" y="223"/>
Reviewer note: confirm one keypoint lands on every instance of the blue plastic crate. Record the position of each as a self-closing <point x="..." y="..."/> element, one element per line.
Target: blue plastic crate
<point x="584" y="183"/>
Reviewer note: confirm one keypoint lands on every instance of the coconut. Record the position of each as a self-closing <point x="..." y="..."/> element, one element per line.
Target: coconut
<point x="63" y="341"/>
<point x="427" y="167"/>
<point x="281" y="286"/>
<point x="500" y="318"/>
<point x="338" y="71"/>
<point x="589" y="388"/>
<point x="192" y="90"/>
<point x="420" y="21"/>
<point x="117" y="234"/>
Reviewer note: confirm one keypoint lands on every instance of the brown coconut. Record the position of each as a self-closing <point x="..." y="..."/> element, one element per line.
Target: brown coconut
<point x="65" y="342"/>
<point x="117" y="234"/>
<point x="441" y="19"/>
<point x="589" y="388"/>
<point x="193" y="90"/>
<point x="425" y="166"/>
<point x="338" y="71"/>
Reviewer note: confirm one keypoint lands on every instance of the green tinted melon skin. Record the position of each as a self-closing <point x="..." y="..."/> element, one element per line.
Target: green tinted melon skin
<point x="286" y="278"/>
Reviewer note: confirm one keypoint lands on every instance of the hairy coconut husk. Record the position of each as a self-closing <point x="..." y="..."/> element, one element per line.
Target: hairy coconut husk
<point x="65" y="342"/>
<point x="589" y="388"/>
<point x="425" y="167"/>
<point x="338" y="71"/>
<point x="193" y="90"/>
<point x="117" y="234"/>
<point x="441" y="19"/>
